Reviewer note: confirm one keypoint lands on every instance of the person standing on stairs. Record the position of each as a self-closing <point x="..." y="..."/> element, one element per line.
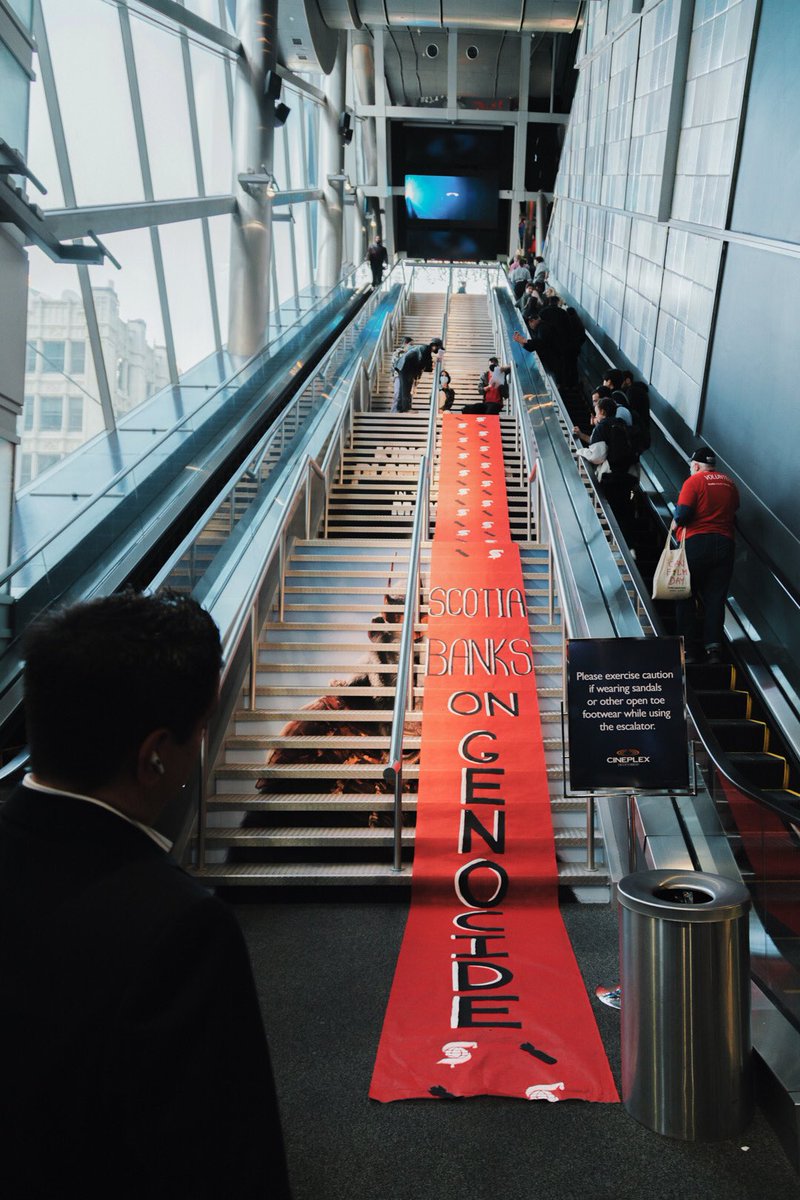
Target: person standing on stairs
<point x="706" y="512"/>
<point x="415" y="360"/>
<point x="397" y="359"/>
<point x="134" y="1057"/>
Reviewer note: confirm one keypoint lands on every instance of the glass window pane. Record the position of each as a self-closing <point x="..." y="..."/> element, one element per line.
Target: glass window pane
<point x="31" y="357"/>
<point x="75" y="414"/>
<point x="188" y="291"/>
<point x="91" y="82"/>
<point x="213" y="119"/>
<point x="162" y="86"/>
<point x="281" y="248"/>
<point x="55" y="316"/>
<point x="77" y="358"/>
<point x="51" y="414"/>
<point x="131" y="324"/>
<point x="13" y="100"/>
<point x="41" y="151"/>
<point x="207" y="9"/>
<point x="52" y="357"/>
<point x="43" y="461"/>
<point x="220" y="232"/>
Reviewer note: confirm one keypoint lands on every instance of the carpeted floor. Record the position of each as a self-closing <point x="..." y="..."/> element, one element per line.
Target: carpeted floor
<point x="324" y="967"/>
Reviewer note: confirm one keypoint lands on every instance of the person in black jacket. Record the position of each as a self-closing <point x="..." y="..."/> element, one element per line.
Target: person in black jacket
<point x="134" y="1057"/>
<point x="544" y="341"/>
<point x="378" y="258"/>
<point x="415" y="360"/>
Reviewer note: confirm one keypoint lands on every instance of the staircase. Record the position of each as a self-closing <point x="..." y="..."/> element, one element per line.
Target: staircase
<point x="298" y="796"/>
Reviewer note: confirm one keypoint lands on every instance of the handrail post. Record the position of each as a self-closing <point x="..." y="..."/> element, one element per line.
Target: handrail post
<point x="282" y="575"/>
<point x="253" y="657"/>
<point x="590" y="831"/>
<point x="397" y="863"/>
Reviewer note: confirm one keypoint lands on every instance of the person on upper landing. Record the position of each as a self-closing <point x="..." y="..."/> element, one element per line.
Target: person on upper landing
<point x="377" y="258"/>
<point x="706" y="513"/>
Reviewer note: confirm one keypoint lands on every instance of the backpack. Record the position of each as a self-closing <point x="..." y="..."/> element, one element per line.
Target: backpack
<point x="397" y="358"/>
<point x="621" y="454"/>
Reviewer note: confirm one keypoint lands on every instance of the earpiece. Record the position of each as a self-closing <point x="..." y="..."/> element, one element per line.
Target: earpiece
<point x="156" y="762"/>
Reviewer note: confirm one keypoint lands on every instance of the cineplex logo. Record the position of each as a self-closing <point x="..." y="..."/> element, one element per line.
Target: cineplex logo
<point x="627" y="758"/>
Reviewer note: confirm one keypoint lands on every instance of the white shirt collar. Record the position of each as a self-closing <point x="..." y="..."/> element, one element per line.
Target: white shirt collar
<point x="153" y="834"/>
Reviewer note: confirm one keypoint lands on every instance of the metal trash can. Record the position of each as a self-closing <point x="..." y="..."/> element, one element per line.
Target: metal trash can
<point x="685" y="977"/>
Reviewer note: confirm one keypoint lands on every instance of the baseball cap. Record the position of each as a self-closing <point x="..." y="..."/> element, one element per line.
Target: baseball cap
<point x="703" y="455"/>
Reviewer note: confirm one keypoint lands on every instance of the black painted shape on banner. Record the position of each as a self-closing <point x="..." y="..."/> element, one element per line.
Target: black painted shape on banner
<point x="529" y="1048"/>
<point x="626" y="709"/>
<point x="443" y="1094"/>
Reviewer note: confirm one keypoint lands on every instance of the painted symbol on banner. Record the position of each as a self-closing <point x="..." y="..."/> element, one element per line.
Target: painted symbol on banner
<point x="463" y="491"/>
<point x="463" y="454"/>
<point x="462" y="512"/>
<point x="463" y="473"/>
<point x="544" y="1091"/>
<point x="529" y="1048"/>
<point x="463" y="533"/>
<point x="481" y="420"/>
<point x="487" y="524"/>
<point x="486" y="483"/>
<point x="484" y="433"/>
<point x="495" y="554"/>
<point x="462" y="441"/>
<point x="486" y="503"/>
<point x="456" y="1053"/>
<point x="462" y="425"/>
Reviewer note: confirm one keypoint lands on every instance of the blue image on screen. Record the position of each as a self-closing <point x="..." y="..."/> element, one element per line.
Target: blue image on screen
<point x="465" y="198"/>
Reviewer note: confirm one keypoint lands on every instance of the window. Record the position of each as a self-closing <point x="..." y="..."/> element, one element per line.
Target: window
<point x="53" y="357"/>
<point x="51" y="414"/>
<point x="25" y="469"/>
<point x="43" y="461"/>
<point x="27" y="413"/>
<point x="77" y="358"/>
<point x="31" y="358"/>
<point x="75" y="414"/>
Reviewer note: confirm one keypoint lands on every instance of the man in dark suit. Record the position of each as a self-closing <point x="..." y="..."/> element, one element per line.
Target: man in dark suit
<point x="134" y="1061"/>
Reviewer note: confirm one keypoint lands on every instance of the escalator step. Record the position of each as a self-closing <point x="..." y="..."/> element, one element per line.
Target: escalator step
<point x="765" y="770"/>
<point x="742" y="735"/>
<point x="724" y="704"/>
<point x="711" y="676"/>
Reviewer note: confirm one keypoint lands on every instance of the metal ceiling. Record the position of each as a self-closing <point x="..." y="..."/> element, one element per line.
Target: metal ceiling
<point x="416" y="38"/>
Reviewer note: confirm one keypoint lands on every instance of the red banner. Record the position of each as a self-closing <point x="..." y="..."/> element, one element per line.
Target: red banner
<point x="487" y="997"/>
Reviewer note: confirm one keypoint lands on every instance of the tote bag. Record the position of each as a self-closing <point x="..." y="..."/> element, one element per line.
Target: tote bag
<point x="671" y="580"/>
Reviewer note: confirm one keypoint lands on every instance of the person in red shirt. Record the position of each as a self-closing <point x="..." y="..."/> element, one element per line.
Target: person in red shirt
<point x="706" y="512"/>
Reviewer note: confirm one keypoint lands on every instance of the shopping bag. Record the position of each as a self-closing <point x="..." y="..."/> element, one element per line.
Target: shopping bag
<point x="671" y="579"/>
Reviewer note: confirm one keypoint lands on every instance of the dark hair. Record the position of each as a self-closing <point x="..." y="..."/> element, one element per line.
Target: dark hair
<point x="101" y="676"/>
<point x="607" y="406"/>
<point x="627" y="375"/>
<point x="601" y="391"/>
<point x="615" y="376"/>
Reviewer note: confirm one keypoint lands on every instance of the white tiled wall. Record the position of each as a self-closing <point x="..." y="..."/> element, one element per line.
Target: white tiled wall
<point x="650" y="286"/>
<point x="715" y="79"/>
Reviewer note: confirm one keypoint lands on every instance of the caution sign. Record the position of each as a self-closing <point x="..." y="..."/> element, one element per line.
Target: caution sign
<point x="626" y="705"/>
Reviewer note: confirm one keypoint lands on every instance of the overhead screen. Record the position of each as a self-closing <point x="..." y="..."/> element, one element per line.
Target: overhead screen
<point x="470" y="200"/>
<point x="457" y="215"/>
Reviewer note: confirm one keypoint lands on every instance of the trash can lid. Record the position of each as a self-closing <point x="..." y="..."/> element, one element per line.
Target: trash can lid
<point x="686" y="896"/>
